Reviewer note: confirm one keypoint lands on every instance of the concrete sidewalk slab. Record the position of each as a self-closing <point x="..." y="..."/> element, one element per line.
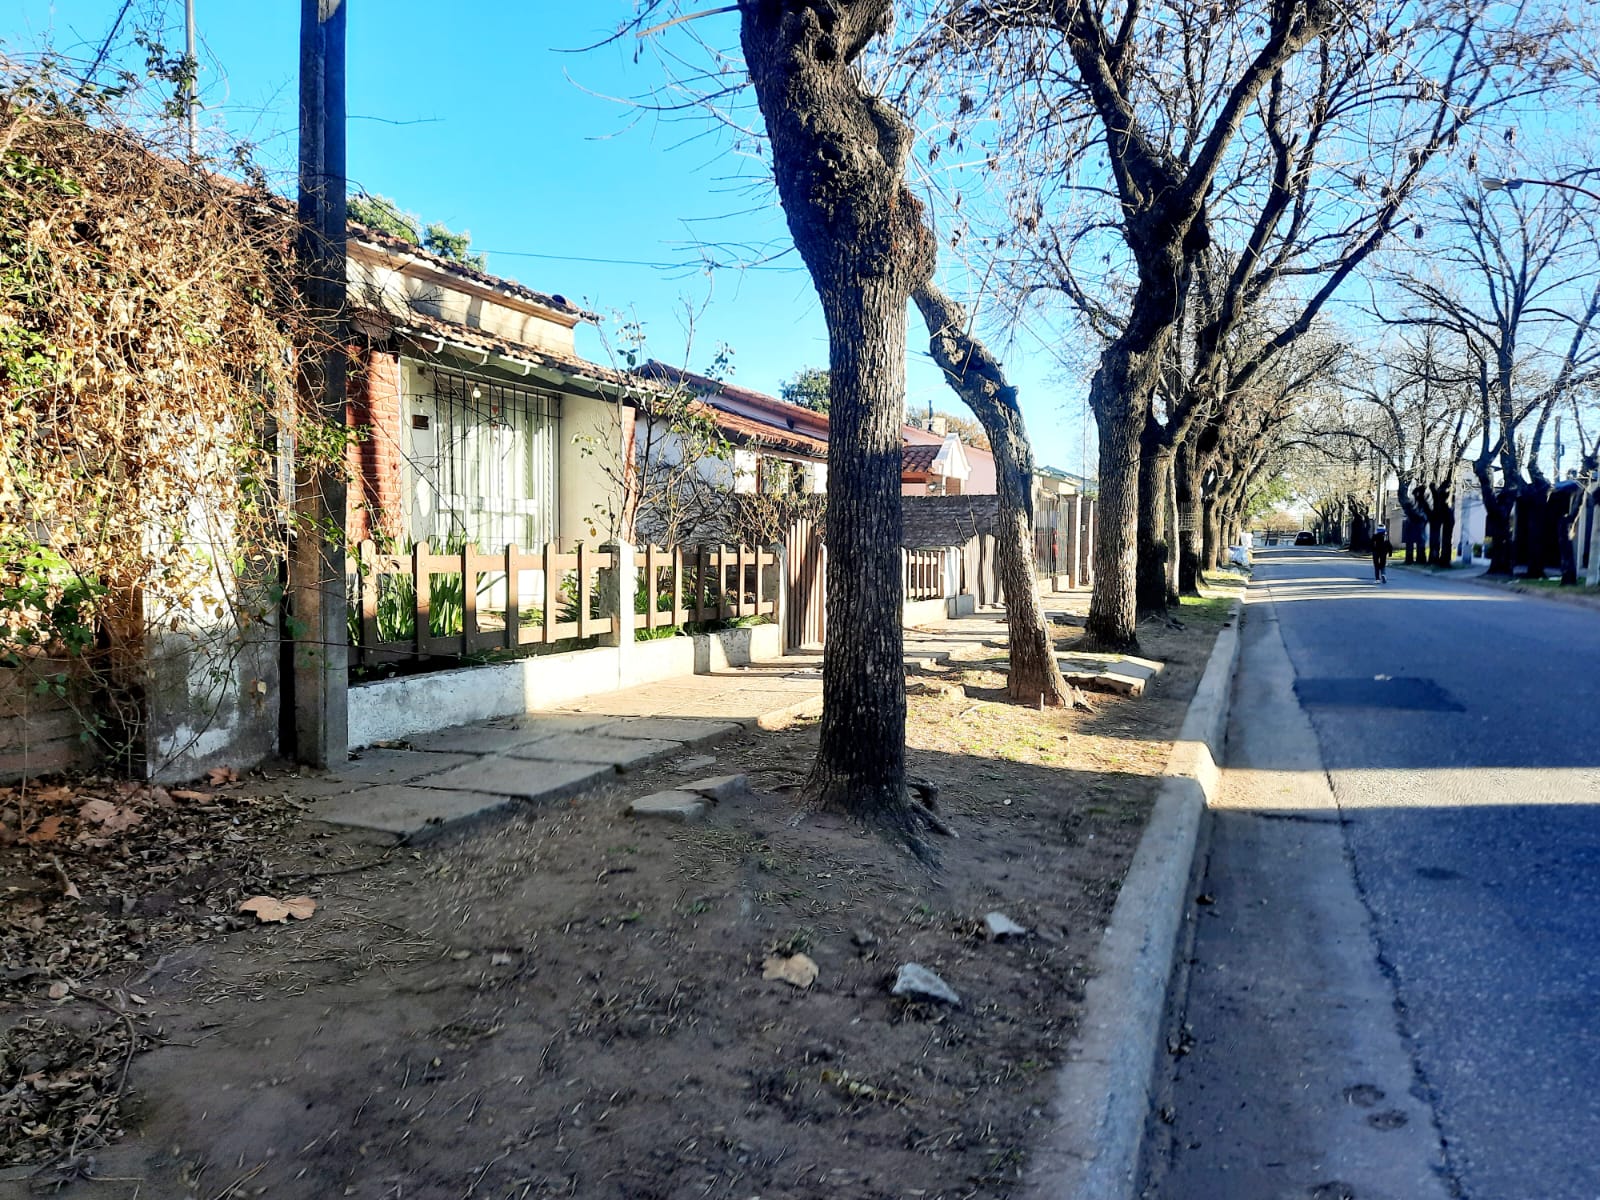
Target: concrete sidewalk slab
<point x="545" y="723"/>
<point x="597" y="748"/>
<point x="410" y="813"/>
<point x="524" y="779"/>
<point x="376" y="767"/>
<point x="478" y="739"/>
<point x="1126" y="675"/>
<point x="463" y="772"/>
<point x="688" y="730"/>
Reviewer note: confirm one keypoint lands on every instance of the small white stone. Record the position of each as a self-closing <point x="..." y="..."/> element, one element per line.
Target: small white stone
<point x="1001" y="927"/>
<point x="915" y="982"/>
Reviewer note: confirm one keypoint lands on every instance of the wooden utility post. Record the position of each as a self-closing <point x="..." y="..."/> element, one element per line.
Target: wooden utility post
<point x="320" y="682"/>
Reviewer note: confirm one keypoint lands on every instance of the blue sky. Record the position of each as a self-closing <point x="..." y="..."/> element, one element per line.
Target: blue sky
<point x="473" y="116"/>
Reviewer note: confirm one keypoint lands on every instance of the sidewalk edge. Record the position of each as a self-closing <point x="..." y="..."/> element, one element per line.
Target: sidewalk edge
<point x="1104" y="1089"/>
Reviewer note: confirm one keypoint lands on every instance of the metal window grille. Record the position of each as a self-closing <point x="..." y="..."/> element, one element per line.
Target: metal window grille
<point x="499" y="450"/>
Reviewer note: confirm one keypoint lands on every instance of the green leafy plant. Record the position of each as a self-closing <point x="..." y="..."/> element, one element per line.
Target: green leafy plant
<point x="43" y="601"/>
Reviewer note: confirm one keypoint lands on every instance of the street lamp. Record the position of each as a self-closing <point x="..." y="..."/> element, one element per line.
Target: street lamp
<point x="1492" y="183"/>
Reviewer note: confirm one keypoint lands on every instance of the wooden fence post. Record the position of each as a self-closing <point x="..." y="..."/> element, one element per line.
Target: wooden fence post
<point x="513" y="635"/>
<point x="551" y="591"/>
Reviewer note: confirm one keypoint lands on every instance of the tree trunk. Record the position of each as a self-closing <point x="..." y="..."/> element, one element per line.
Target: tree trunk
<point x="839" y="157"/>
<point x="979" y="379"/>
<point x="1169" y="506"/>
<point x="1113" y="618"/>
<point x="1214" y="551"/>
<point x="1186" y="483"/>
<point x="1533" y="526"/>
<point x="1441" y="523"/>
<point x="1412" y="502"/>
<point x="1155" y="536"/>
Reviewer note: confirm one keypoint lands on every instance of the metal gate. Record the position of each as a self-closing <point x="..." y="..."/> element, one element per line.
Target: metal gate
<point x="805" y="623"/>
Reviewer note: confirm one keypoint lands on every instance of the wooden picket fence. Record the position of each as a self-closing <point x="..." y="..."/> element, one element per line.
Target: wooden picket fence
<point x="924" y="574"/>
<point x="705" y="583"/>
<point x="424" y="580"/>
<point x="457" y="603"/>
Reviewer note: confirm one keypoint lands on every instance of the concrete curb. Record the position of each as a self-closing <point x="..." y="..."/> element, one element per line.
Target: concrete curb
<point x="1104" y="1089"/>
<point x="782" y="718"/>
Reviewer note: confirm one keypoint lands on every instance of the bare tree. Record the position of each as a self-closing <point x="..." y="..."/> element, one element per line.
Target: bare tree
<point x="1142" y="134"/>
<point x="1516" y="281"/>
<point x="1409" y="404"/>
<point x="979" y="379"/>
<point x="839" y="155"/>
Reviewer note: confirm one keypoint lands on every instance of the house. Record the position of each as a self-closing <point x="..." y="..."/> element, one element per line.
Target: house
<point x="475" y="408"/>
<point x="1065" y="511"/>
<point x="778" y="447"/>
<point x="936" y="468"/>
<point x="937" y="463"/>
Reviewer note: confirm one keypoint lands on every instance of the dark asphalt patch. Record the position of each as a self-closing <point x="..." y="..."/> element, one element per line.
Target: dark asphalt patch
<point x="1400" y="691"/>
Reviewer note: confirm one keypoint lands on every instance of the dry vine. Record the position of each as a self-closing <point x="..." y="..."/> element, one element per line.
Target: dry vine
<point x="148" y="326"/>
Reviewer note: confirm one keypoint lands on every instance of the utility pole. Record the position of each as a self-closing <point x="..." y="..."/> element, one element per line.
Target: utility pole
<point x="192" y="84"/>
<point x="319" y="681"/>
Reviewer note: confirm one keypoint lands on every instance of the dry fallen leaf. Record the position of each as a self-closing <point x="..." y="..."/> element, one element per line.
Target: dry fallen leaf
<point x="58" y="990"/>
<point x="217" y="776"/>
<point x="113" y="817"/>
<point x="267" y="910"/>
<point x="189" y="794"/>
<point x="796" y="970"/>
<point x="98" y="811"/>
<point x="46" y="830"/>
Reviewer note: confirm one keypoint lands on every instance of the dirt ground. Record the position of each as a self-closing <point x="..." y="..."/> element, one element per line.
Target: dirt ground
<point x="568" y="1002"/>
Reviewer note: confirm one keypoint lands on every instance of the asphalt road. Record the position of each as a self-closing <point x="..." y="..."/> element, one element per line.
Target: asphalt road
<point x="1395" y="984"/>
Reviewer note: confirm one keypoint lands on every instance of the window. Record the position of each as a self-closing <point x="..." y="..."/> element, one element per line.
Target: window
<point x="497" y="449"/>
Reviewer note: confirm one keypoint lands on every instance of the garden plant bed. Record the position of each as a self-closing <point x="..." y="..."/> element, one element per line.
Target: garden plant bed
<point x="566" y="1001"/>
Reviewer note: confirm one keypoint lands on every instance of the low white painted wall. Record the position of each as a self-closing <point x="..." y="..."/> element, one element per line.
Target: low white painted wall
<point x="651" y="662"/>
<point x="737" y="648"/>
<point x="924" y="612"/>
<point x="393" y="709"/>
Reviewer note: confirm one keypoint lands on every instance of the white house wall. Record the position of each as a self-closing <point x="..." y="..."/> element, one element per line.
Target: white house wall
<point x="420" y="481"/>
<point x="588" y="493"/>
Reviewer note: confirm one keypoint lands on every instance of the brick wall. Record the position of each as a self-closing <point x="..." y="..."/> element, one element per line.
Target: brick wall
<point x="39" y="735"/>
<point x="376" y="498"/>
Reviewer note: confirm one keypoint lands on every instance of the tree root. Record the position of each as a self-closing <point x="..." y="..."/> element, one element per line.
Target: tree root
<point x="933" y="820"/>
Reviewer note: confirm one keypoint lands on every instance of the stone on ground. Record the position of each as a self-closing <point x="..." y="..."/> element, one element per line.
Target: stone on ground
<point x="1002" y="927"/>
<point x="719" y="787"/>
<point x="915" y="982"/>
<point x="684" y="807"/>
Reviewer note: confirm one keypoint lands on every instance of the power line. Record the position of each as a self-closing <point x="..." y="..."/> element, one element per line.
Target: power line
<point x="636" y="262"/>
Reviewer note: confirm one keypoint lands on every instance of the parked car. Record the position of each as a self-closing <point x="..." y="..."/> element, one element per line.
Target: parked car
<point x="1305" y="538"/>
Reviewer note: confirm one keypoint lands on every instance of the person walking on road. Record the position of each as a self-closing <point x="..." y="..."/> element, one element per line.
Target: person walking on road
<point x="1382" y="547"/>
